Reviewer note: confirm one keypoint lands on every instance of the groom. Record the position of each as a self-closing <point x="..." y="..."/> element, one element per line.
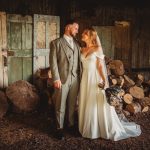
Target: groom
<point x="65" y="69"/>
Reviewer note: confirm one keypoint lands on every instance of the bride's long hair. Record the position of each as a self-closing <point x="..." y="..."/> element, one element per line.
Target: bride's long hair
<point x="92" y="34"/>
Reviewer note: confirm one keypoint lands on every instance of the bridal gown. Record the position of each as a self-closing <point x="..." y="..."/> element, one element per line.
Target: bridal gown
<point x="96" y="117"/>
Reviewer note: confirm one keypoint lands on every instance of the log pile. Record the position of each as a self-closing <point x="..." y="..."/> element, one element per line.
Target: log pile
<point x="126" y="94"/>
<point x="43" y="82"/>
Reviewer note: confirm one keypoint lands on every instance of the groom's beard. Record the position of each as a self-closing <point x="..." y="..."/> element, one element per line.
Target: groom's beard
<point x="73" y="35"/>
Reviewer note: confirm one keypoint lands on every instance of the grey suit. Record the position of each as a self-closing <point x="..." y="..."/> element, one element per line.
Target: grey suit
<point x="65" y="66"/>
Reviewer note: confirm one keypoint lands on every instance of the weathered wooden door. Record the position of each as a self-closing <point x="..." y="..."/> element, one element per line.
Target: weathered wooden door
<point x="3" y="53"/>
<point x="116" y="42"/>
<point x="46" y="29"/>
<point x="106" y="35"/>
<point x="123" y="43"/>
<point x="19" y="34"/>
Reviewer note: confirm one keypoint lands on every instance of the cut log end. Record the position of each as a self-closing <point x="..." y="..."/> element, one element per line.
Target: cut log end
<point x="136" y="92"/>
<point x="133" y="108"/>
<point x="128" y="99"/>
<point x="128" y="82"/>
<point x="140" y="77"/>
<point x="145" y="109"/>
<point x="116" y="67"/>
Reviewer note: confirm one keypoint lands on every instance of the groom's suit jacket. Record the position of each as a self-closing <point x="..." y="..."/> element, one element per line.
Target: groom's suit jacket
<point x="60" y="59"/>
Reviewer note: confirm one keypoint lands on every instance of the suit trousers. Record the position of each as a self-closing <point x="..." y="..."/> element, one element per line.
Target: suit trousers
<point x="66" y="96"/>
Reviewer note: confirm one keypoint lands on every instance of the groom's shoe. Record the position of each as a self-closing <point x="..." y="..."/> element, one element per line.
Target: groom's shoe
<point x="72" y="130"/>
<point x="59" y="134"/>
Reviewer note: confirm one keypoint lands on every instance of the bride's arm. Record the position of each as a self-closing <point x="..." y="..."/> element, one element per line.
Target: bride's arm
<point x="99" y="67"/>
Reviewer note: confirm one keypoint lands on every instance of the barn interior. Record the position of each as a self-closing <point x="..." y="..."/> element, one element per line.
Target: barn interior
<point x="26" y="29"/>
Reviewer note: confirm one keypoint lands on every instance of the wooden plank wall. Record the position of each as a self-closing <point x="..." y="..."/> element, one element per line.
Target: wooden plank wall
<point x="96" y="13"/>
<point x="28" y="7"/>
<point x="140" y="31"/>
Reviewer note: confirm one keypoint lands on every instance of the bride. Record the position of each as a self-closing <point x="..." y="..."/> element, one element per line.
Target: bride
<point x="96" y="117"/>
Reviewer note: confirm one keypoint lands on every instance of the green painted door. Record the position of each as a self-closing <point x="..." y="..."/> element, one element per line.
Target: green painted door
<point x="116" y="42"/>
<point x="46" y="29"/>
<point x="106" y="35"/>
<point x="19" y="35"/>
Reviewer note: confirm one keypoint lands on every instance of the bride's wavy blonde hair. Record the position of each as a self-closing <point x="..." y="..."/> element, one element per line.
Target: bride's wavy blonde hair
<point x="92" y="36"/>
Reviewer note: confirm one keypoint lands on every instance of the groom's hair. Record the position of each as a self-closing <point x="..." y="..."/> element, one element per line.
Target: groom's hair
<point x="70" y="21"/>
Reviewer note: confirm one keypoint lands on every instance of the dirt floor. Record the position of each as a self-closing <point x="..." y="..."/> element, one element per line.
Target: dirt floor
<point x="34" y="131"/>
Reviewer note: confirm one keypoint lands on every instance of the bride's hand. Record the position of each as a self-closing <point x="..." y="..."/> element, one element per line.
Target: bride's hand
<point x="101" y="85"/>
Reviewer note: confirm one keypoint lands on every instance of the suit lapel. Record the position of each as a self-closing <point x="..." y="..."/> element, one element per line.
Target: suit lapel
<point x="65" y="46"/>
<point x="66" y="43"/>
<point x="79" y="58"/>
<point x="76" y="45"/>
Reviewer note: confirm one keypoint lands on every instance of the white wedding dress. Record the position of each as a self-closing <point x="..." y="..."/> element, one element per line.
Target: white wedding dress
<point x="96" y="117"/>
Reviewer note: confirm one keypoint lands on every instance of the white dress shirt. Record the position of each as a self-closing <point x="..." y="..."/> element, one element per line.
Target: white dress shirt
<point x="69" y="39"/>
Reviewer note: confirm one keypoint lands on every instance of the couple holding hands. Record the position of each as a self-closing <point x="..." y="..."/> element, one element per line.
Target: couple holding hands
<point x="76" y="73"/>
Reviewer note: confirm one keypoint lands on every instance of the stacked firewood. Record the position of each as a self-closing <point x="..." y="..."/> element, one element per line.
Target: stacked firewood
<point x="127" y="95"/>
<point x="43" y="83"/>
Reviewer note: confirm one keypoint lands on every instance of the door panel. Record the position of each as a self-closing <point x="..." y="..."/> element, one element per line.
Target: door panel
<point x="41" y="35"/>
<point x="15" y="64"/>
<point x="27" y="68"/>
<point x="116" y="42"/>
<point x="106" y="35"/>
<point x="3" y="51"/>
<point x="27" y="39"/>
<point x="20" y="46"/>
<point x="46" y="29"/>
<point x="123" y="43"/>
